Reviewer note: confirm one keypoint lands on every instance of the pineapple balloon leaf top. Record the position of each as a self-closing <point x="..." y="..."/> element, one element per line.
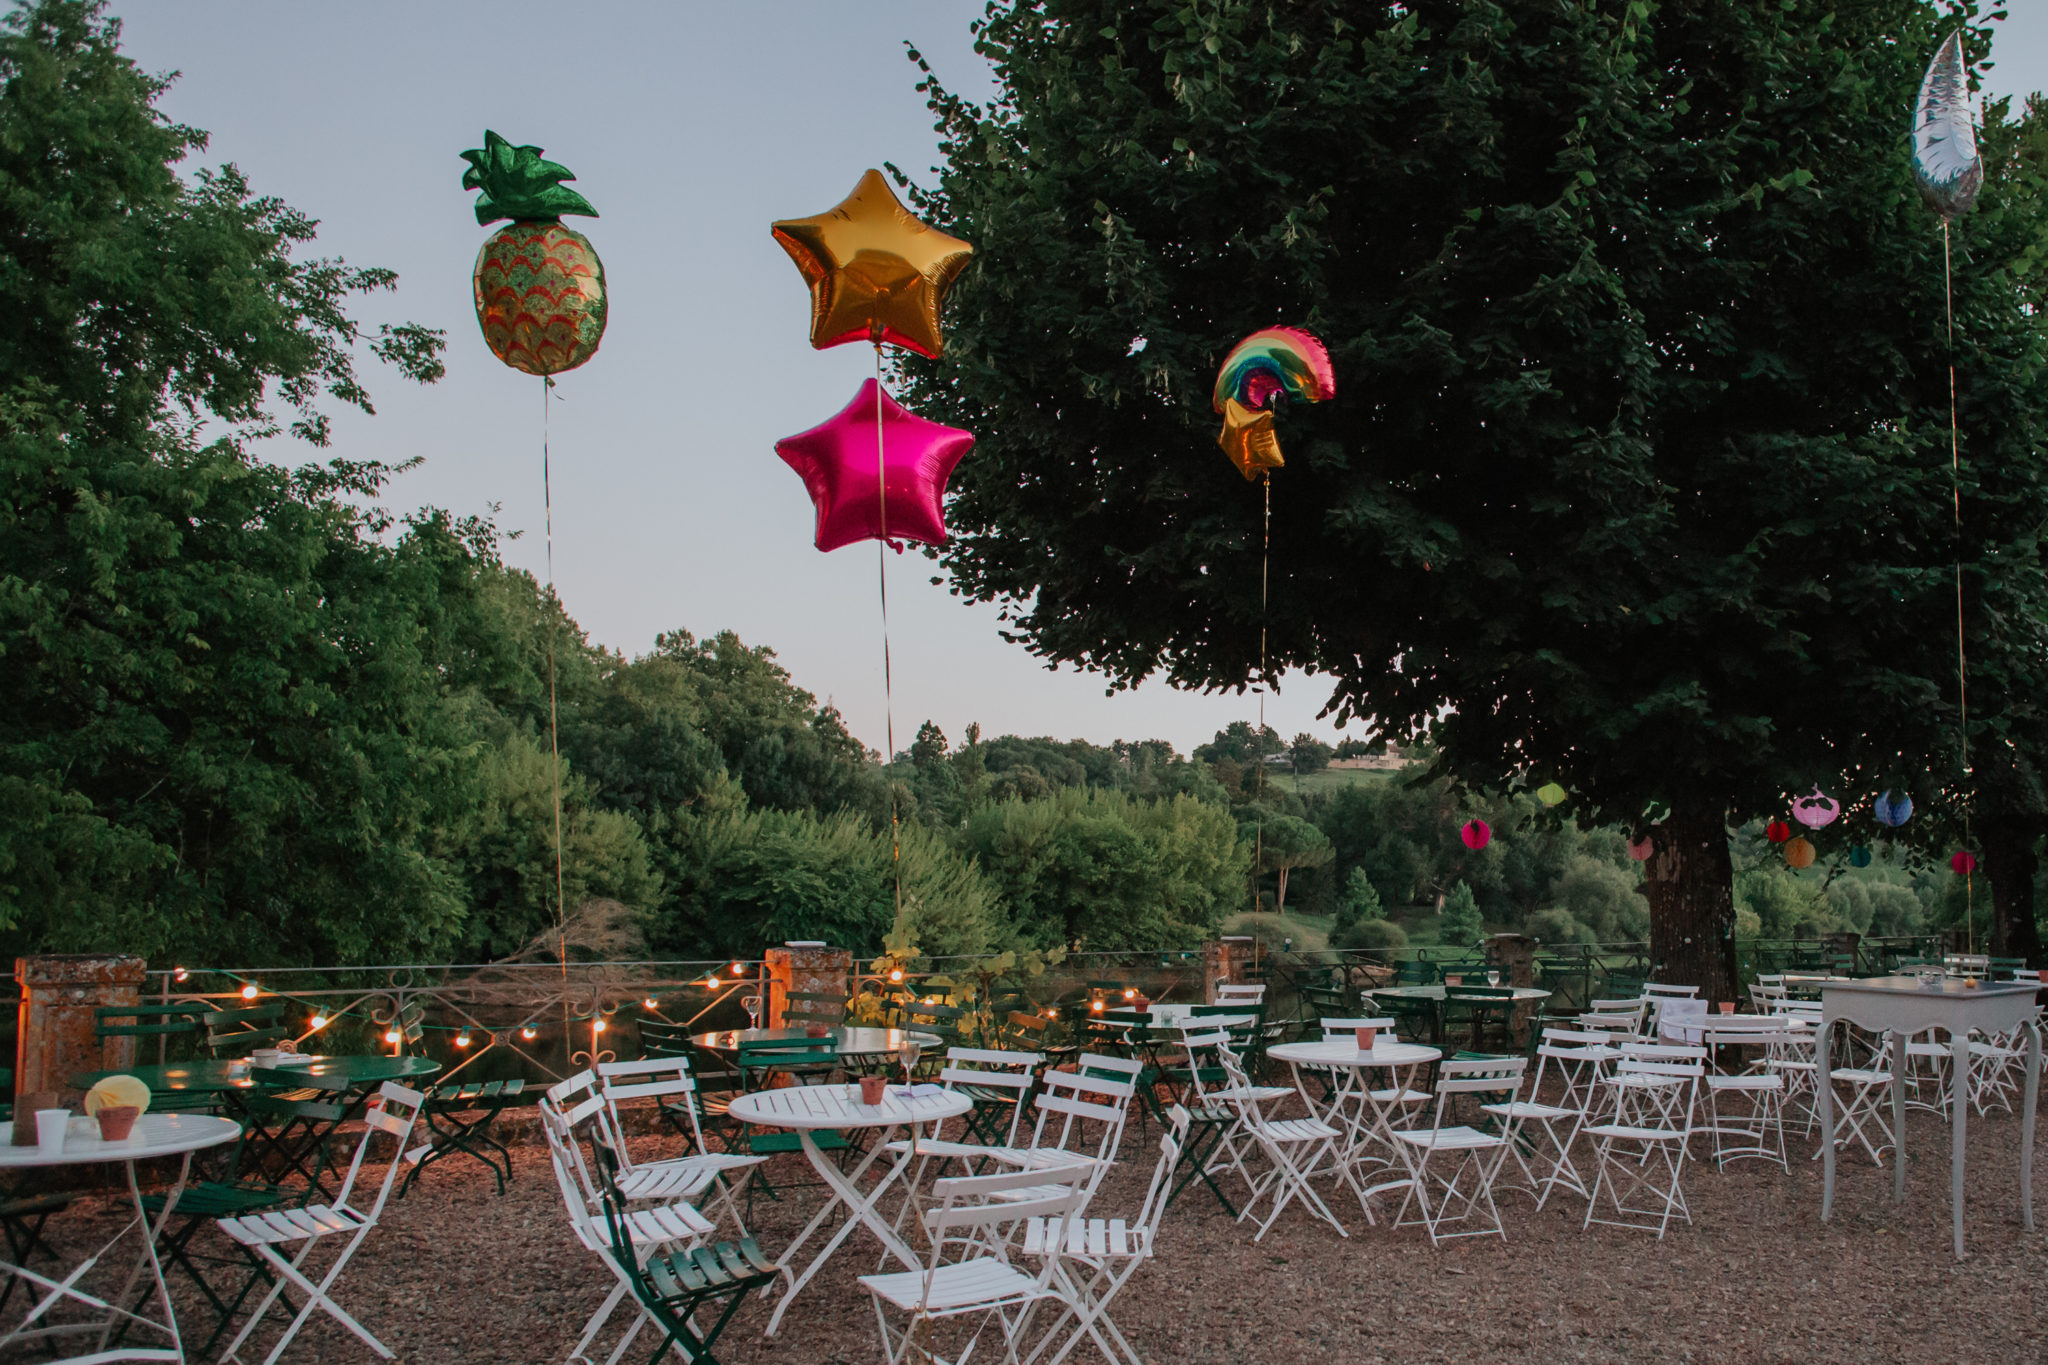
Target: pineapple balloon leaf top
<point x="518" y="184"/>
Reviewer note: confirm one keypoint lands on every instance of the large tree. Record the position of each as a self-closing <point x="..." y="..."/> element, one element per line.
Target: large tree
<point x="1637" y="477"/>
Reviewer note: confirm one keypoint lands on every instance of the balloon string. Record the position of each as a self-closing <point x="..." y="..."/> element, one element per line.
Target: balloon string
<point x="888" y="685"/>
<point x="1955" y="477"/>
<point x="547" y="502"/>
<point x="1259" y="830"/>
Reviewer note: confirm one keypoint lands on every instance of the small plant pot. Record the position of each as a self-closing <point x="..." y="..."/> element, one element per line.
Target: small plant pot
<point x="1726" y="1006"/>
<point x="871" y="1089"/>
<point x="1368" y="1038"/>
<point x="816" y="1031"/>
<point x="117" y="1121"/>
<point x="1454" y="981"/>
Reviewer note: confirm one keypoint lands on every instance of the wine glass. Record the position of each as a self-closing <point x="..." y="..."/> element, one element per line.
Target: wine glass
<point x="908" y="1052"/>
<point x="752" y="1005"/>
<point x="1493" y="978"/>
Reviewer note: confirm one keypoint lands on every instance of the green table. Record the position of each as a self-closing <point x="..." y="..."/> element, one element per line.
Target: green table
<point x="342" y="1074"/>
<point x="1435" y="996"/>
<point x="207" y="1076"/>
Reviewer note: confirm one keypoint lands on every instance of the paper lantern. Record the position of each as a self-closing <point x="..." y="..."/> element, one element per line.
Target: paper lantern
<point x="1550" y="794"/>
<point x="1641" y="849"/>
<point x="1476" y="834"/>
<point x="1892" y="811"/>
<point x="1798" y="854"/>
<point x="1859" y="856"/>
<point x="1964" y="863"/>
<point x="1816" y="810"/>
<point x="1777" y="831"/>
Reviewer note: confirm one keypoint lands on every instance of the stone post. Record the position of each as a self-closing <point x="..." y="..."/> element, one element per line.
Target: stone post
<point x="1514" y="957"/>
<point x="805" y="968"/>
<point x="1225" y="960"/>
<point x="1844" y="944"/>
<point x="58" y="996"/>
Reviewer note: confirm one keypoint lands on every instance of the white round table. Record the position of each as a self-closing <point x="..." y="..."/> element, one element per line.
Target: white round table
<point x="155" y="1135"/>
<point x="1365" y="1114"/>
<point x="806" y="1109"/>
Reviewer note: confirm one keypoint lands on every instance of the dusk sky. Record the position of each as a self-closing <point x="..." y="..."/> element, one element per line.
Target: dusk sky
<point x="691" y="127"/>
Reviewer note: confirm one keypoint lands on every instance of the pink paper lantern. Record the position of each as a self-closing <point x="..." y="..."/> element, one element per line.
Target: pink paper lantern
<point x="839" y="463"/>
<point x="1964" y="863"/>
<point x="1476" y="834"/>
<point x="1641" y="849"/>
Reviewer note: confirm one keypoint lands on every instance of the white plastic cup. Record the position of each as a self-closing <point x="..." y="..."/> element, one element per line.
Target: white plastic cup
<point x="50" y="1126"/>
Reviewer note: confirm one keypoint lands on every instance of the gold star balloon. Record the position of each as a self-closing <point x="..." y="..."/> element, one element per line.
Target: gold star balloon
<point x="876" y="273"/>
<point x="1249" y="440"/>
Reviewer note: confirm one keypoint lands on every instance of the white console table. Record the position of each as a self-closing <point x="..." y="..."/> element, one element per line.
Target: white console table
<point x="1904" y="1006"/>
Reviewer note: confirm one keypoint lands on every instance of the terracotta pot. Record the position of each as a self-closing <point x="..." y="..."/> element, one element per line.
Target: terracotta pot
<point x="1366" y="1038"/>
<point x="1727" y="1006"/>
<point x="871" y="1089"/>
<point x="117" y="1121"/>
<point x="816" y="1031"/>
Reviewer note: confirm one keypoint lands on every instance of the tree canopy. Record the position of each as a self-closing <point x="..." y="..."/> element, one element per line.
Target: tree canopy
<point x="1637" y="476"/>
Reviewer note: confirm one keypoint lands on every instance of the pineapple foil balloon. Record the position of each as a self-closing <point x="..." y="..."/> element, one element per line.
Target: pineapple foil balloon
<point x="539" y="286"/>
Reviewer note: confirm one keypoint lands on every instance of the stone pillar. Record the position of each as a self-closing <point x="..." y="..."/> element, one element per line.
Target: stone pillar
<point x="1844" y="944"/>
<point x="806" y="968"/>
<point x="1225" y="960"/>
<point x="58" y="996"/>
<point x="1514" y="957"/>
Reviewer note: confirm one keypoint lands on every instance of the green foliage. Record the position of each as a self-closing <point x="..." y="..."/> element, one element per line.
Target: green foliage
<point x="1460" y="922"/>
<point x="1103" y="871"/>
<point x="1558" y="926"/>
<point x="1370" y="934"/>
<point x="1307" y="754"/>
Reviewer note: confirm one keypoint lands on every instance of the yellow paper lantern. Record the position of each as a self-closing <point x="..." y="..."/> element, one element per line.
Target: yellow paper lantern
<point x="1798" y="854"/>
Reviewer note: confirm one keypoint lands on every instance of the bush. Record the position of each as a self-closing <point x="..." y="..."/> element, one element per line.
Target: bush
<point x="1558" y="926"/>
<point x="1461" y="923"/>
<point x="1370" y="934"/>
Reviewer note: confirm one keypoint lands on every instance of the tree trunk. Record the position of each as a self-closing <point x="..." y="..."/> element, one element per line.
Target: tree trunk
<point x="1280" y="899"/>
<point x="1692" y="901"/>
<point x="2010" y="863"/>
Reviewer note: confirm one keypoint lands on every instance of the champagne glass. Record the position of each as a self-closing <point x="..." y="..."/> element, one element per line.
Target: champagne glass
<point x="907" y="1053"/>
<point x="1493" y="978"/>
<point x="752" y="1005"/>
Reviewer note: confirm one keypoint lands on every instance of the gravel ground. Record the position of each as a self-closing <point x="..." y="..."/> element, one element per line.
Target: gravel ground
<point x="457" y="1275"/>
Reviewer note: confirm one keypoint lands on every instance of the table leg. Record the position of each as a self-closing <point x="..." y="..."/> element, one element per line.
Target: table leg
<point x="1898" y="1117"/>
<point x="1823" y="1082"/>
<point x="859" y="1210"/>
<point x="1958" y="1132"/>
<point x="2027" y="1126"/>
<point x="149" y="1257"/>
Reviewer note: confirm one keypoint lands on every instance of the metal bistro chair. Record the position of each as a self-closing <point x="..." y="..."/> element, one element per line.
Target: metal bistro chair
<point x="238" y="1032"/>
<point x="806" y="1061"/>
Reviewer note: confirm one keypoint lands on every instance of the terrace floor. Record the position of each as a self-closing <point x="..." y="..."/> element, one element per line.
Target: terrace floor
<point x="459" y="1276"/>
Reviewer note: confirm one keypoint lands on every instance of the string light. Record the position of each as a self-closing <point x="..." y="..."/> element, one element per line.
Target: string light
<point x="739" y="969"/>
<point x="598" y="1026"/>
<point x="650" y="1002"/>
<point x="317" y="1022"/>
<point x="1130" y="993"/>
<point x="529" y="1033"/>
<point x="895" y="973"/>
<point x="392" y="1036"/>
<point x="711" y="982"/>
<point x="179" y="974"/>
<point x="462" y="1038"/>
<point x="249" y="991"/>
<point x="1095" y="1005"/>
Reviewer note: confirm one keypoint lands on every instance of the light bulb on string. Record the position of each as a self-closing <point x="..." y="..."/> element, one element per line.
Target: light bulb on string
<point x="650" y="1002"/>
<point x="598" y="1026"/>
<point x="249" y="990"/>
<point x="462" y="1038"/>
<point x="529" y="1033"/>
<point x="180" y="974"/>
<point x="317" y="1022"/>
<point x="392" y="1036"/>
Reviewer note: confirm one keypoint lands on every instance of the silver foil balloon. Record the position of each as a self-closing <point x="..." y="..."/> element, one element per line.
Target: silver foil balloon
<point x="1945" y="159"/>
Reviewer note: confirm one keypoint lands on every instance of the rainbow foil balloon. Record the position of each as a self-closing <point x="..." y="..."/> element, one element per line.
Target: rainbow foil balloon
<point x="1272" y="362"/>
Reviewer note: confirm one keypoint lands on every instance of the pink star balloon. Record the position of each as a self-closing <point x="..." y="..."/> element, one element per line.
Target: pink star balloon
<point x="838" y="464"/>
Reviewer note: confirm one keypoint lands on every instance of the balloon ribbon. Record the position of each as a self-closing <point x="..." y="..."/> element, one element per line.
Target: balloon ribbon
<point x="1955" y="477"/>
<point x="888" y="687"/>
<point x="547" y="502"/>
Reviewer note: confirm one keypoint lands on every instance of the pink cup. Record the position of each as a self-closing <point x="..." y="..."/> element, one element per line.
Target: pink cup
<point x="1366" y="1038"/>
<point x="871" y="1089"/>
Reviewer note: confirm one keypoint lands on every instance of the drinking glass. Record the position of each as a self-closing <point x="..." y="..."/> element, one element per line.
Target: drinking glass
<point x="908" y="1053"/>
<point x="1493" y="978"/>
<point x="752" y="1005"/>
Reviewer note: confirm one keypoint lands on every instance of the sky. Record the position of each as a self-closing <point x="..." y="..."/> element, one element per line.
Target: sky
<point x="691" y="127"/>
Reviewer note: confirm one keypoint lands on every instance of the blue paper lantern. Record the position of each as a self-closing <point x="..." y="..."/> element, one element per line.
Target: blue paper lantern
<point x="1859" y="856"/>
<point x="1893" y="811"/>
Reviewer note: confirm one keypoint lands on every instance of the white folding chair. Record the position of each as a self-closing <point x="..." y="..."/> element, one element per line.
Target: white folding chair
<point x="668" y="1227"/>
<point x="996" y="1080"/>
<point x="1478" y="1155"/>
<point x="1758" y="1126"/>
<point x="1296" y="1150"/>
<point x="981" y="1217"/>
<point x="1109" y="1251"/>
<point x="1209" y="1038"/>
<point x="1640" y="1151"/>
<point x="1584" y="1057"/>
<point x="392" y="1111"/>
<point x="1240" y="994"/>
<point x="1558" y="1124"/>
<point x="1866" y="1113"/>
<point x="688" y="1177"/>
<point x="1654" y="1092"/>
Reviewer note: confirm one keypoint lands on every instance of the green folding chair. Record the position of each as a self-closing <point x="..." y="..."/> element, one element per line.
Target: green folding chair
<point x="807" y="1061"/>
<point x="679" y="1290"/>
<point x="238" y="1032"/>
